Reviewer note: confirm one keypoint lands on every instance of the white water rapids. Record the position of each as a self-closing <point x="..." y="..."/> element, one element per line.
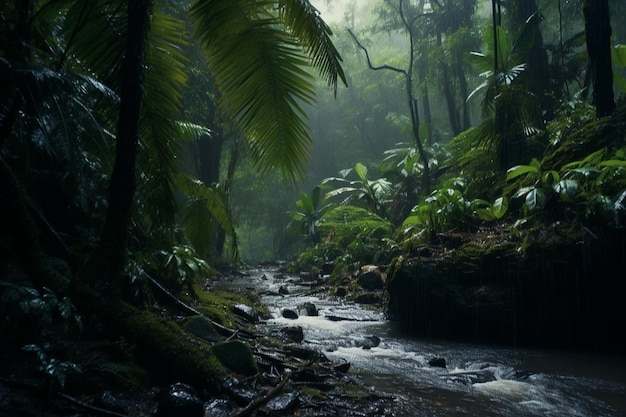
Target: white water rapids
<point x="477" y="381"/>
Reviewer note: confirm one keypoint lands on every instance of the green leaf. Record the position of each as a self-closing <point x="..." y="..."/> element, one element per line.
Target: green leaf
<point x="500" y="207"/>
<point x="536" y="199"/>
<point x="567" y="189"/>
<point x="519" y="170"/>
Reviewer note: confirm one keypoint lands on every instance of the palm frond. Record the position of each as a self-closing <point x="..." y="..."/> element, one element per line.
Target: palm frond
<point x="306" y="24"/>
<point x="160" y="131"/>
<point x="260" y="70"/>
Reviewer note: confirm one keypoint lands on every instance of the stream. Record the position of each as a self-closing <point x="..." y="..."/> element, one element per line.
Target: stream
<point x="476" y="381"/>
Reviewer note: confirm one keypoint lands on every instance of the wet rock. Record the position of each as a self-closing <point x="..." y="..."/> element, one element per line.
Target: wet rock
<point x="293" y="333"/>
<point x="219" y="408"/>
<point x="246" y="312"/>
<point x="341" y="292"/>
<point x="368" y="298"/>
<point x="437" y="362"/>
<point x="201" y="327"/>
<point x="289" y="314"/>
<point x="109" y="401"/>
<point x="237" y="390"/>
<point x="371" y="279"/>
<point x="236" y="356"/>
<point x="180" y="400"/>
<point x="307" y="309"/>
<point x="283" y="404"/>
<point x="283" y="290"/>
<point x="370" y="342"/>
<point x="342" y="368"/>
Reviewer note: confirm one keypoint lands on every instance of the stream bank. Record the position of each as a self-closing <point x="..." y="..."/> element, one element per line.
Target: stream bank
<point x="552" y="289"/>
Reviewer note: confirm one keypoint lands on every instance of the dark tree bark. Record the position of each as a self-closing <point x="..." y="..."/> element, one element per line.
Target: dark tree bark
<point x="598" y="33"/>
<point x="108" y="260"/>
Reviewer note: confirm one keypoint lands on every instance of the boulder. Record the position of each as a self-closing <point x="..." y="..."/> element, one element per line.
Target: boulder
<point x="180" y="400"/>
<point x="371" y="280"/>
<point x="370" y="342"/>
<point x="201" y="327"/>
<point x="307" y="309"/>
<point x="283" y="290"/>
<point x="236" y="356"/>
<point x="437" y="362"/>
<point x="293" y="333"/>
<point x="289" y="314"/>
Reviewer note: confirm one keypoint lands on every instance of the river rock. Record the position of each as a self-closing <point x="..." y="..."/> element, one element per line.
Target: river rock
<point x="307" y="309"/>
<point x="180" y="400"/>
<point x="283" y="290"/>
<point x="283" y="404"/>
<point x="437" y="362"/>
<point x="294" y="333"/>
<point x="289" y="314"/>
<point x="246" y="312"/>
<point x="219" y="408"/>
<point x="371" y="280"/>
<point x="369" y="342"/>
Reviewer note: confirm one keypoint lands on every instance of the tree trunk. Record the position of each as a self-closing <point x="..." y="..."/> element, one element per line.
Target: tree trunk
<point x="108" y="260"/>
<point x="598" y="33"/>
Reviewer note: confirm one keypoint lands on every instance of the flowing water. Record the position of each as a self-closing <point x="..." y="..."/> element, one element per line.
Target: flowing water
<point x="477" y="381"/>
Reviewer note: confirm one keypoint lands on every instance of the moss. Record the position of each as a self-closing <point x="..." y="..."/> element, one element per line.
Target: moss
<point x="217" y="305"/>
<point x="236" y="356"/>
<point x="179" y="356"/>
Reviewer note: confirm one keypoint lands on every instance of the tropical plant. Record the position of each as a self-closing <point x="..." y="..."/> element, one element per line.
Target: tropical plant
<point x="592" y="188"/>
<point x="511" y="111"/>
<point x="309" y="214"/>
<point x="443" y="210"/>
<point x="373" y="194"/>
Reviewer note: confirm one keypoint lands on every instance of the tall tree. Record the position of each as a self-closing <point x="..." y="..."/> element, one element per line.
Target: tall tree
<point x="109" y="258"/>
<point x="598" y="34"/>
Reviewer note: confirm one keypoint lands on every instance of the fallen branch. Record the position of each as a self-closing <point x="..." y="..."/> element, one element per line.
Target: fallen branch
<point x="260" y="401"/>
<point x="223" y="330"/>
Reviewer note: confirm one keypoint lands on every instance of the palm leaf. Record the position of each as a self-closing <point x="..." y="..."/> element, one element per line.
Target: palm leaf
<point x="260" y="70"/>
<point x="160" y="130"/>
<point x="306" y="24"/>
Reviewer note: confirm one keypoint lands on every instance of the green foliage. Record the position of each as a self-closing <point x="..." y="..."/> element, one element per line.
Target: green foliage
<point x="592" y="188"/>
<point x="55" y="370"/>
<point x="180" y="265"/>
<point x="443" y="210"/>
<point x="351" y="234"/>
<point x="618" y="55"/>
<point x="309" y="215"/>
<point x="373" y="194"/>
<point x="22" y="305"/>
<point x="257" y="54"/>
<point x="204" y="205"/>
<point x="487" y="211"/>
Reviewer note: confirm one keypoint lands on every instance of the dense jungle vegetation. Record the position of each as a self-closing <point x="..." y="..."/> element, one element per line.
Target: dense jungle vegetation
<point x="150" y="143"/>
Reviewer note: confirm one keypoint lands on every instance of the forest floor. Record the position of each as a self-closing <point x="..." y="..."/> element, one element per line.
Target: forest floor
<point x="98" y="376"/>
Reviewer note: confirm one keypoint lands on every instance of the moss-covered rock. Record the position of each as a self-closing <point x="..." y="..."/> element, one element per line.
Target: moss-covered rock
<point x="201" y="327"/>
<point x="237" y="357"/>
